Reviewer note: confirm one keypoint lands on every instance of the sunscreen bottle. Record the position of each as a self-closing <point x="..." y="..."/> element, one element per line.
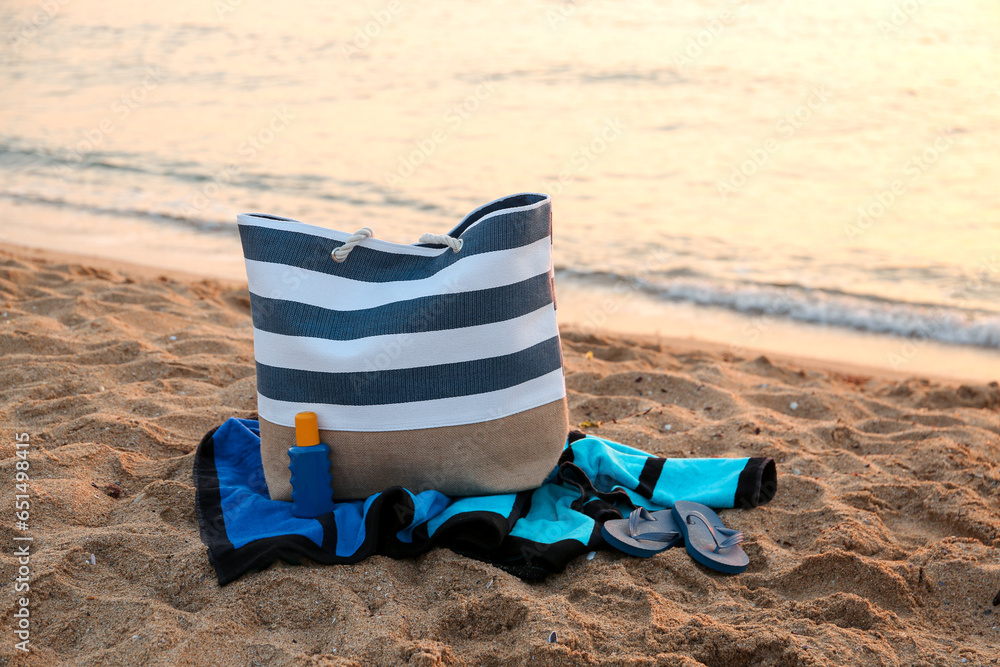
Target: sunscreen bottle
<point x="309" y="463"/>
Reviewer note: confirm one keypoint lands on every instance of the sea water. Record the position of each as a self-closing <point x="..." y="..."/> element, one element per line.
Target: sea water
<point x="818" y="178"/>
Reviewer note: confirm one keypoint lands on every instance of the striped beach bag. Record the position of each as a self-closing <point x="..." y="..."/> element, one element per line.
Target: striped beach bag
<point x="429" y="366"/>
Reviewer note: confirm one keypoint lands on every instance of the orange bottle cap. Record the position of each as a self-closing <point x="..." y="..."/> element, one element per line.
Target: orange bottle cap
<point x="306" y="429"/>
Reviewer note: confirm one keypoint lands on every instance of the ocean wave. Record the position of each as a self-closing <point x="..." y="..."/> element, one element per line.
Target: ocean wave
<point x="200" y="225"/>
<point x="952" y="324"/>
<point x="20" y="156"/>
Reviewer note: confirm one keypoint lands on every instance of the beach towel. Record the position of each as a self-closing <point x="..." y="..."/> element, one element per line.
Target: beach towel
<point x="433" y="365"/>
<point x="530" y="533"/>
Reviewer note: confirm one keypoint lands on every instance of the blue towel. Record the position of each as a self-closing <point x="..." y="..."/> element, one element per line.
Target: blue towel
<point x="529" y="534"/>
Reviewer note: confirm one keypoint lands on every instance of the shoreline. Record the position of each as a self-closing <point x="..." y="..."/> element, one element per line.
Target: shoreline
<point x="630" y="321"/>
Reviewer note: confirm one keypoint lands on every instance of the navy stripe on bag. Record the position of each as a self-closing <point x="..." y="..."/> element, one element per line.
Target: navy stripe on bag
<point x="424" y="383"/>
<point x="432" y="313"/>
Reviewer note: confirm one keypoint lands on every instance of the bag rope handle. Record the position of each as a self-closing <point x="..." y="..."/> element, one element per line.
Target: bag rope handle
<point x="443" y="239"/>
<point x="341" y="253"/>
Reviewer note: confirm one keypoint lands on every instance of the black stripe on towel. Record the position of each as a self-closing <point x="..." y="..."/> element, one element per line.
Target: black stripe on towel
<point x="757" y="484"/>
<point x="649" y="476"/>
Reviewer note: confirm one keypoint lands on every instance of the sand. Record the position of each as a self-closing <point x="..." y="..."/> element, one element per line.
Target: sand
<point x="882" y="546"/>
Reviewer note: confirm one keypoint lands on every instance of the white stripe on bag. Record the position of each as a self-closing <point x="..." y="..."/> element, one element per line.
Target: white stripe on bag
<point x="409" y="350"/>
<point x="455" y="411"/>
<point x="476" y="272"/>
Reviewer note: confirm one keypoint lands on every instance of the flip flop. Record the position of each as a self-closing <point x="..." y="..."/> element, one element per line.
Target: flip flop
<point x="707" y="540"/>
<point x="643" y="533"/>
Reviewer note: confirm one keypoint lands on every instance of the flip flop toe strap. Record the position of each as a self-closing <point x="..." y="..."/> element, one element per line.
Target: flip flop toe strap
<point x="635" y="520"/>
<point x="731" y="537"/>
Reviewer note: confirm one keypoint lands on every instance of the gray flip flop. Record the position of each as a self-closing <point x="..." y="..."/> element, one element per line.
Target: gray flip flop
<point x="709" y="541"/>
<point x="643" y="533"/>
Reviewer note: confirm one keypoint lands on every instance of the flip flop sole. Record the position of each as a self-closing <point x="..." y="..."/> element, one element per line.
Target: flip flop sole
<point x="616" y="533"/>
<point x="699" y="542"/>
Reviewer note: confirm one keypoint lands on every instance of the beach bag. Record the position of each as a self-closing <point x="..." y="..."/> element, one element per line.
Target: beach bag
<point x="434" y="365"/>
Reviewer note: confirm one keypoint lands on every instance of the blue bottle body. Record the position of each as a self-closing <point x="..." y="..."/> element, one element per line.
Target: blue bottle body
<point x="312" y="484"/>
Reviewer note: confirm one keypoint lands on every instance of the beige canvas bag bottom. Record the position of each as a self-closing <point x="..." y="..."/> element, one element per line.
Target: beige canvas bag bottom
<point x="499" y="456"/>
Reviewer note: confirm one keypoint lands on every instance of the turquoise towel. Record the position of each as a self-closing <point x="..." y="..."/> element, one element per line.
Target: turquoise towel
<point x="530" y="534"/>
